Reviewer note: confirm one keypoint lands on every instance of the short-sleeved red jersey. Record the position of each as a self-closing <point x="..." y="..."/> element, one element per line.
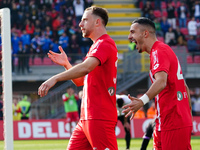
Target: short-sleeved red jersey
<point x="172" y="102"/>
<point x="99" y="92"/>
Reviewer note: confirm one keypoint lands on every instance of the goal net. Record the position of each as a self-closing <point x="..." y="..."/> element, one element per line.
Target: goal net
<point x="6" y="78"/>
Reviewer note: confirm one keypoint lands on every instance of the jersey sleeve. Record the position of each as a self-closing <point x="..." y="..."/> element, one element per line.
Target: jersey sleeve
<point x="64" y="97"/>
<point x="160" y="61"/>
<point x="102" y="51"/>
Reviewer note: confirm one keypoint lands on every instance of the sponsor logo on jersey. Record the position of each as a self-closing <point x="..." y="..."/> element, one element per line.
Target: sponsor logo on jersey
<point x="155" y="60"/>
<point x="155" y="66"/>
<point x="179" y="96"/>
<point x="111" y="91"/>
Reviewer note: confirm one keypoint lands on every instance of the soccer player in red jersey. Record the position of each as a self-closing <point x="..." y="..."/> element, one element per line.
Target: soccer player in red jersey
<point x="96" y="128"/>
<point x="174" y="120"/>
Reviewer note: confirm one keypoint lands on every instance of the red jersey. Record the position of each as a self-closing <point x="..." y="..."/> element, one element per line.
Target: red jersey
<point x="99" y="92"/>
<point x="172" y="102"/>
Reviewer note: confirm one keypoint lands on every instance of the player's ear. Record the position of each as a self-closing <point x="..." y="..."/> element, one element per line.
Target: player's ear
<point x="98" y="22"/>
<point x="146" y="33"/>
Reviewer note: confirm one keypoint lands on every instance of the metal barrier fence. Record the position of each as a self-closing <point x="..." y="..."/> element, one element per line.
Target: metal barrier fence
<point x="51" y="106"/>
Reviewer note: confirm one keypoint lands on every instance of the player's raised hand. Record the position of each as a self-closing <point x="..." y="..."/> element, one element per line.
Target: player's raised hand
<point x="133" y="107"/>
<point x="45" y="86"/>
<point x="59" y="58"/>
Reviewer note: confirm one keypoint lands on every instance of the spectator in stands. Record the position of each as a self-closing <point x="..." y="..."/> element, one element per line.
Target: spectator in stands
<point x="59" y="4"/>
<point x="164" y="25"/>
<point x="146" y="9"/>
<point x="192" y="27"/>
<point x="25" y="107"/>
<point x="54" y="14"/>
<point x="157" y="4"/>
<point x="35" y="46"/>
<point x="21" y="59"/>
<point x="47" y="22"/>
<point x="191" y="6"/>
<point x="84" y="43"/>
<point x="15" y="39"/>
<point x="88" y="3"/>
<point x="197" y="11"/>
<point x="38" y="31"/>
<point x="192" y="45"/>
<point x="171" y="15"/>
<point x="170" y="37"/>
<point x="56" y="23"/>
<point x="48" y="31"/>
<point x="54" y="46"/>
<point x="151" y="15"/>
<point x="30" y="28"/>
<point x="60" y="30"/>
<point x="71" y="107"/>
<point x="5" y="4"/>
<point x="79" y="9"/>
<point x="182" y="15"/>
<point x="27" y="57"/>
<point x="144" y="2"/>
<point x="46" y="43"/>
<point x="180" y="37"/>
<point x="16" y="110"/>
<point x="20" y="20"/>
<point x="151" y="112"/>
<point x="64" y="42"/>
<point x="14" y="18"/>
<point x="25" y="38"/>
<point x="74" y="48"/>
<point x="157" y="23"/>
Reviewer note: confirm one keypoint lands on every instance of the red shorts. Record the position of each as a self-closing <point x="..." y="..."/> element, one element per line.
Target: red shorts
<point x="93" y="135"/>
<point x="72" y="116"/>
<point x="173" y="139"/>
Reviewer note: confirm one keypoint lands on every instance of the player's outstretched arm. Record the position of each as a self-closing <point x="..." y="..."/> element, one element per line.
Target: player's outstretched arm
<point x="133" y="107"/>
<point x="59" y="58"/>
<point x="62" y="59"/>
<point x="75" y="72"/>
<point x="156" y="88"/>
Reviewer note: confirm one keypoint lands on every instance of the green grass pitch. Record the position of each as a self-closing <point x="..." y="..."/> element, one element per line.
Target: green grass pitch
<point x="62" y="144"/>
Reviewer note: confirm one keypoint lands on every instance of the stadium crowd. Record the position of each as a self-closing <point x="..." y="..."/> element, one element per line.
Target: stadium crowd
<point x="40" y="25"/>
<point x="177" y="22"/>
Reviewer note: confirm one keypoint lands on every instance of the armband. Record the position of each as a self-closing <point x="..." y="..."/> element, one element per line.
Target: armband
<point x="144" y="98"/>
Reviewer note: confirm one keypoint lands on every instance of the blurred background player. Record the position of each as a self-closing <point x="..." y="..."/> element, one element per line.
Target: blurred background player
<point x="16" y="110"/>
<point x="151" y="114"/>
<point x="148" y="134"/>
<point x="25" y="107"/>
<point x="121" y="101"/>
<point x="71" y="107"/>
<point x="80" y="95"/>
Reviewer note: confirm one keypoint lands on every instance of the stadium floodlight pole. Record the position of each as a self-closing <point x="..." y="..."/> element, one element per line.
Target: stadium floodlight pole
<point x="7" y="78"/>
